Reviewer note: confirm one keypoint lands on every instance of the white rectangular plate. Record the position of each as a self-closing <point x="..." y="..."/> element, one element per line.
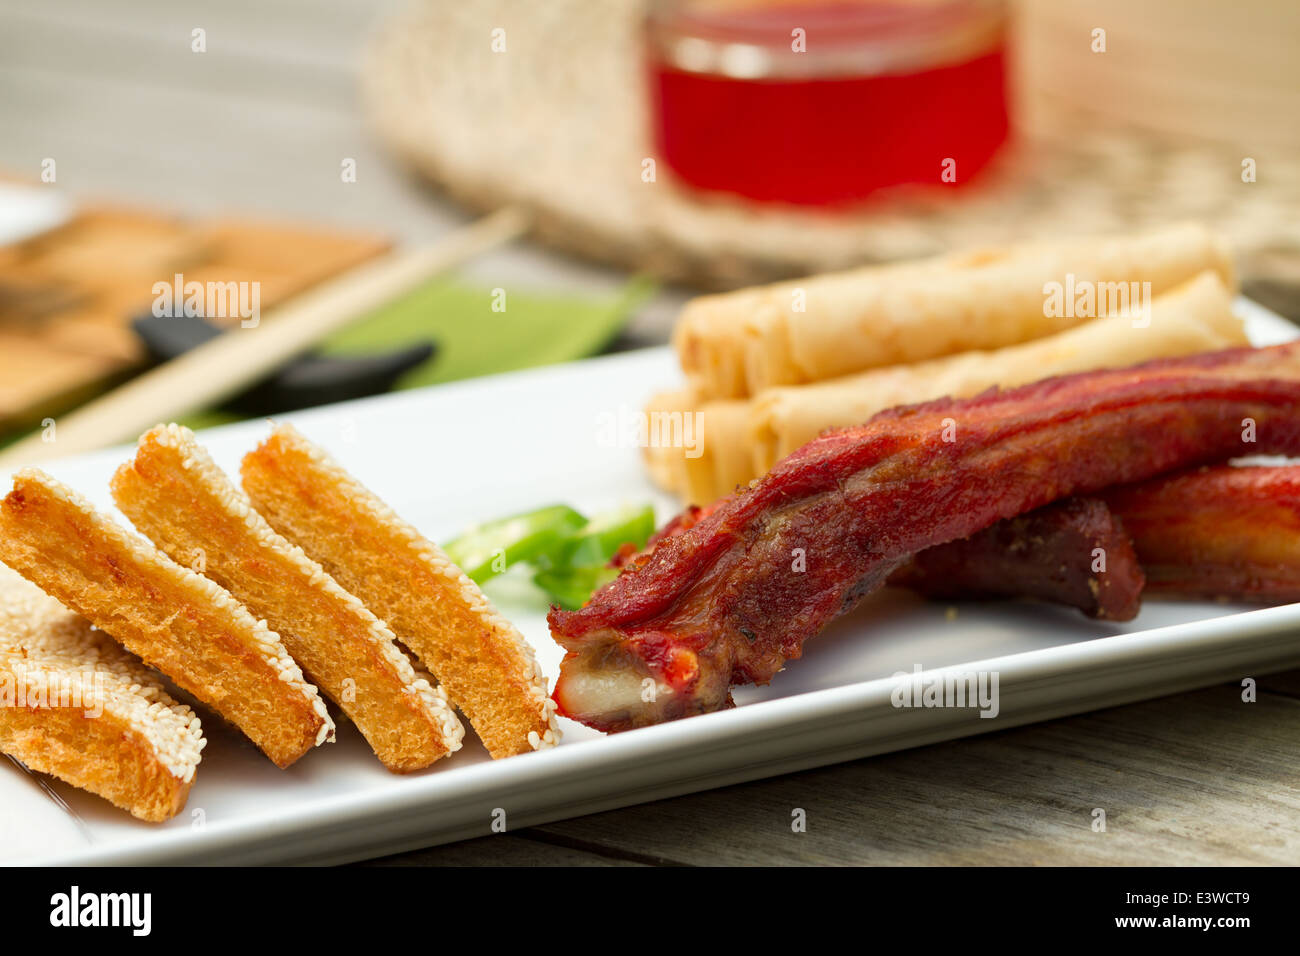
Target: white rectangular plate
<point x="449" y="456"/>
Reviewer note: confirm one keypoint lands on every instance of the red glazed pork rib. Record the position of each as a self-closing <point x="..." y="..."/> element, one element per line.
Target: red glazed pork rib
<point x="733" y="597"/>
<point x="1073" y="552"/>
<point x="1219" y="532"/>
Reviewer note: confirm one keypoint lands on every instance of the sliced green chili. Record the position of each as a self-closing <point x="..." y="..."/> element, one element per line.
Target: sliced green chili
<point x="600" y="539"/>
<point x="486" y="550"/>
<point x="572" y="587"/>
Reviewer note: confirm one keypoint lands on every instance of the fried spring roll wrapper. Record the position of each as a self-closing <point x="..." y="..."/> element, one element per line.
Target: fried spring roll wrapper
<point x="749" y="438"/>
<point x="182" y="624"/>
<point x="1075" y="552"/>
<point x="482" y="661"/>
<point x="715" y="468"/>
<point x="698" y="468"/>
<point x="665" y="463"/>
<point x="737" y="594"/>
<point x="822" y="327"/>
<point x="78" y="707"/>
<point x="1195" y="317"/>
<point x="1217" y="532"/>
<point x="174" y="493"/>
<point x="709" y="337"/>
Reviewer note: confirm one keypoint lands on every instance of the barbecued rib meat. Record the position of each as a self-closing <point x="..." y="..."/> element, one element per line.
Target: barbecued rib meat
<point x="1073" y="552"/>
<point x="732" y="598"/>
<point x="1218" y="532"/>
<point x="1050" y="553"/>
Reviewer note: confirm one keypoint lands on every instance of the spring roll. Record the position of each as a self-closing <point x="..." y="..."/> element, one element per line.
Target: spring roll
<point x="822" y="327"/>
<point x="715" y="468"/>
<point x="665" y="463"/>
<point x="1195" y="317"/>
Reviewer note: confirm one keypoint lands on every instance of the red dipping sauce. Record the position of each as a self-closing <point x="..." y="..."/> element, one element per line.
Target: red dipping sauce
<point x="823" y="103"/>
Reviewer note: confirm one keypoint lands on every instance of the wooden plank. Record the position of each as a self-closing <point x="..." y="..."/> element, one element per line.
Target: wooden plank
<point x="118" y="58"/>
<point x="324" y="34"/>
<point x="505" y="849"/>
<point x="1286" y="683"/>
<point x="67" y="297"/>
<point x="201" y="154"/>
<point x="207" y="375"/>
<point x="1199" y="778"/>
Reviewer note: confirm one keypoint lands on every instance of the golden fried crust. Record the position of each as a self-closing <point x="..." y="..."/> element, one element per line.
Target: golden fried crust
<point x="482" y="661"/>
<point x="101" y="755"/>
<point x="180" y="623"/>
<point x="75" y="705"/>
<point x="176" y="495"/>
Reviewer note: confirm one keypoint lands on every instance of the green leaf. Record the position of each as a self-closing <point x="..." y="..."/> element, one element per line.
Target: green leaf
<point x="532" y="329"/>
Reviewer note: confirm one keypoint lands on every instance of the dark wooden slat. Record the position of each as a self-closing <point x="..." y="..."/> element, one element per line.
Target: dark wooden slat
<point x="504" y="850"/>
<point x="325" y="34"/>
<point x="1196" y="778"/>
<point x="1287" y="683"/>
<point x="123" y="61"/>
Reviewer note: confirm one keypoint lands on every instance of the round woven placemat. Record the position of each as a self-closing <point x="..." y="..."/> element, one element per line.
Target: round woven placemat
<point x="557" y="124"/>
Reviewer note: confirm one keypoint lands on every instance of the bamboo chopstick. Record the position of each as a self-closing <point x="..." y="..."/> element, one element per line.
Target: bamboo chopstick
<point x="229" y="363"/>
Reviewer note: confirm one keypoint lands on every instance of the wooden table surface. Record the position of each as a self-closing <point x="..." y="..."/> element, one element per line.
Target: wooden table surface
<point x="260" y="124"/>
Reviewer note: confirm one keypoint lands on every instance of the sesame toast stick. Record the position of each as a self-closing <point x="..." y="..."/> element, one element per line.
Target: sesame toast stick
<point x="74" y="705"/>
<point x="482" y="661"/>
<point x="181" y="623"/>
<point x="174" y="493"/>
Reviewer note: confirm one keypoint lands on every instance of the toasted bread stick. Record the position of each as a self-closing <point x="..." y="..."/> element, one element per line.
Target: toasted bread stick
<point x="176" y="495"/>
<point x="181" y="623"/>
<point x="76" y="706"/>
<point x="482" y="661"/>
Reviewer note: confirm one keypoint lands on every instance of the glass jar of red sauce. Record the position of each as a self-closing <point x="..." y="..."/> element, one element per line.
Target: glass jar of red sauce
<point x="823" y="102"/>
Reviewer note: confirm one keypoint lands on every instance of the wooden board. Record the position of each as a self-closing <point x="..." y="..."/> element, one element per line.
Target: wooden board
<point x="1195" y="779"/>
<point x="67" y="296"/>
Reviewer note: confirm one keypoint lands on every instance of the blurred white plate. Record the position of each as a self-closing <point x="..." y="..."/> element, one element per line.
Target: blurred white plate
<point x="449" y="456"/>
<point x="27" y="211"/>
